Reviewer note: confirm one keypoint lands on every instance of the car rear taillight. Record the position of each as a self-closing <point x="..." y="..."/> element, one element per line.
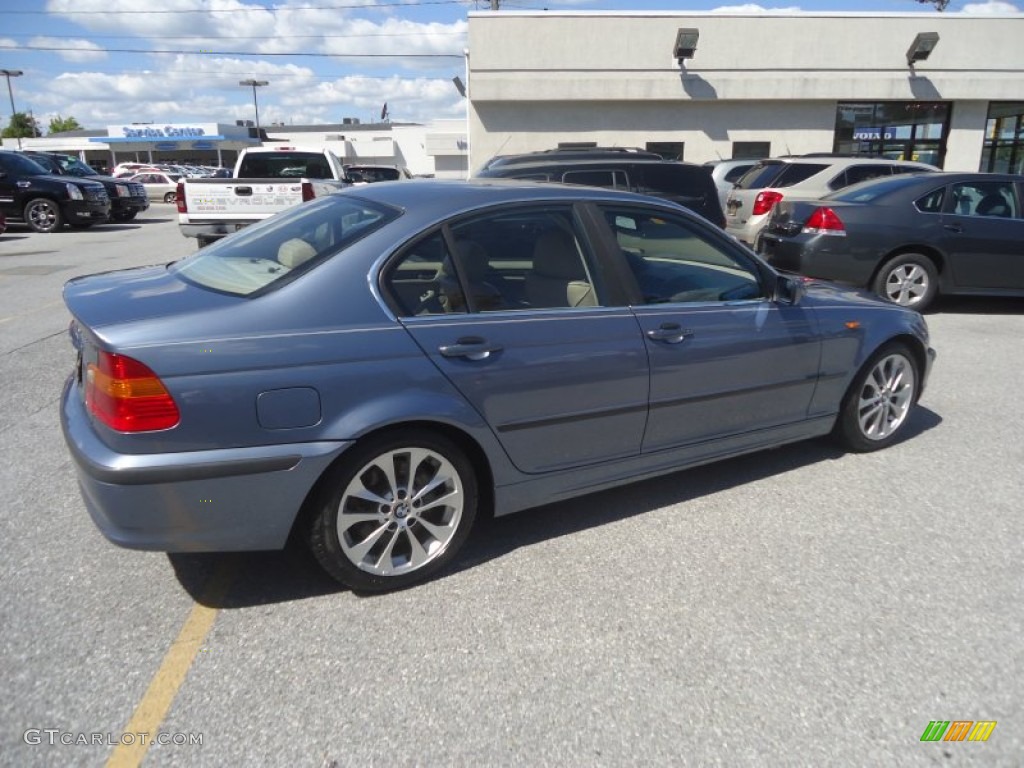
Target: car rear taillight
<point x="824" y="221"/>
<point x="765" y="201"/>
<point x="127" y="396"/>
<point x="307" y="191"/>
<point x="179" y="197"/>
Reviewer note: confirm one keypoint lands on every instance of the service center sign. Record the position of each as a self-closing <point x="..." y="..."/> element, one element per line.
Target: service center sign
<point x="158" y="132"/>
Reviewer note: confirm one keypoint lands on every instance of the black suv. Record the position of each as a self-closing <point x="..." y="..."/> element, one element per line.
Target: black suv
<point x="45" y="201"/>
<point x="686" y="184"/>
<point x="127" y="198"/>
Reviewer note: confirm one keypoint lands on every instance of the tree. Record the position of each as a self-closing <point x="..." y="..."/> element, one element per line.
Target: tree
<point x="21" y="126"/>
<point x="61" y="124"/>
<point x="940" y="5"/>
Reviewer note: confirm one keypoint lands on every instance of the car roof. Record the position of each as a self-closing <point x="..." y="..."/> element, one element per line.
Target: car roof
<point x="446" y="195"/>
<point x="589" y="162"/>
<point x="835" y="161"/>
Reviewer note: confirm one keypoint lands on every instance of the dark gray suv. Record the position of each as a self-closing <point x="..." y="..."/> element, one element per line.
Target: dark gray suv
<point x="687" y="184"/>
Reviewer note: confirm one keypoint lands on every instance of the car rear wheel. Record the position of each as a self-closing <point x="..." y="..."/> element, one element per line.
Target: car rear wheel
<point x="909" y="280"/>
<point x="878" y="404"/>
<point x="169" y="197"/>
<point x="43" y="215"/>
<point x="395" y="511"/>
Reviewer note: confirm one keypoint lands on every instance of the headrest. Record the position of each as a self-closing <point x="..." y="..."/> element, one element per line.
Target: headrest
<point x="295" y="252"/>
<point x="555" y="255"/>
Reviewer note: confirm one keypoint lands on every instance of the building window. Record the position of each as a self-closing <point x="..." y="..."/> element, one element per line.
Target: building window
<point x="751" y="150"/>
<point x="1003" y="151"/>
<point x="898" y="130"/>
<point x="670" y="150"/>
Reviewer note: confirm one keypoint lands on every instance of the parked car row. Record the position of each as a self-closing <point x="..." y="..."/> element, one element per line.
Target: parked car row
<point x="47" y="190"/>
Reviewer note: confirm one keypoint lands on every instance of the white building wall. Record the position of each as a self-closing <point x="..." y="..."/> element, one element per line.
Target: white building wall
<point x="539" y="78"/>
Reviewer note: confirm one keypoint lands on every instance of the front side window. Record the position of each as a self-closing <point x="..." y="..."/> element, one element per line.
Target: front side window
<point x="674" y="261"/>
<point x="280" y="248"/>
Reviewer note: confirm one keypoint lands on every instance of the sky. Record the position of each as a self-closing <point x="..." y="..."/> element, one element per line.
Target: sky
<point x="111" y="62"/>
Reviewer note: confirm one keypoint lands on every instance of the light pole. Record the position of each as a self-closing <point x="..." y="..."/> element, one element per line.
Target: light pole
<point x="9" y="73"/>
<point x="254" y="84"/>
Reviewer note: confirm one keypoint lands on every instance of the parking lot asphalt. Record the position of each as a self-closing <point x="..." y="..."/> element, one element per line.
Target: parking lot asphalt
<point x="795" y="607"/>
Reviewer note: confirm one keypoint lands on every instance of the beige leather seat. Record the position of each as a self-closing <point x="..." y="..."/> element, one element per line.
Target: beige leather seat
<point x="558" y="278"/>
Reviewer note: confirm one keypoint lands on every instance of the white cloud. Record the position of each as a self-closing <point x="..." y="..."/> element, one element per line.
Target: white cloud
<point x="991" y="7"/>
<point x="84" y="50"/>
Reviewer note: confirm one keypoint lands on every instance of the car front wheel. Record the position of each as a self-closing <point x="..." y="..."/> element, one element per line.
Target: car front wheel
<point x="909" y="280"/>
<point x="394" y="512"/>
<point x="878" y="404"/>
<point x="43" y="215"/>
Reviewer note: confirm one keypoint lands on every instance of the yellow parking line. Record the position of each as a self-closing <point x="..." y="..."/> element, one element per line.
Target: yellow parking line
<point x="152" y="710"/>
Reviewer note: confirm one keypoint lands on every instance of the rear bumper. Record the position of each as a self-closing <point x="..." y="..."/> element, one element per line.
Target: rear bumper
<point x="822" y="256"/>
<point x="198" y="501"/>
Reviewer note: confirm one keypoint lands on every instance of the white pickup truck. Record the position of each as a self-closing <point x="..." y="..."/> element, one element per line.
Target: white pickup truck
<point x="266" y="180"/>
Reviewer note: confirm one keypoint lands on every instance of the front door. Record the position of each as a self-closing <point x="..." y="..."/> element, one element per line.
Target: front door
<point x="726" y="359"/>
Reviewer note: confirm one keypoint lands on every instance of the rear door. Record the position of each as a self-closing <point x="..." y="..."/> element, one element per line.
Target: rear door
<point x="509" y="305"/>
<point x="983" y="235"/>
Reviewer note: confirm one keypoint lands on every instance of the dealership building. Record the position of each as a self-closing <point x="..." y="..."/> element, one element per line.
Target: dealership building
<point x="941" y="88"/>
<point x="947" y="89"/>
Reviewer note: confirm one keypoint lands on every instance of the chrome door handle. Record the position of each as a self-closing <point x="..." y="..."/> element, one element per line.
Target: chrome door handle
<point x="469" y="347"/>
<point x="670" y="333"/>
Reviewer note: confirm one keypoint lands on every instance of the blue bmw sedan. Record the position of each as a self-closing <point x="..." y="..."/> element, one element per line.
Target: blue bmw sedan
<point x="376" y="369"/>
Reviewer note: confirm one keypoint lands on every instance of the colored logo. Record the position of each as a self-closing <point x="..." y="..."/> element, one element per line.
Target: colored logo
<point x="958" y="730"/>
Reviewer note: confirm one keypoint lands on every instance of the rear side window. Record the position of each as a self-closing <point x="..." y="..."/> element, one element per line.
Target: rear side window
<point x="761" y="175"/>
<point x="596" y="178"/>
<point x="795" y="173"/>
<point x="932" y="202"/>
<point x="681" y="183"/>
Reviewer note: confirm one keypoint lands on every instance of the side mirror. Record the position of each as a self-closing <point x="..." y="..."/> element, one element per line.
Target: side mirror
<point x="790" y="289"/>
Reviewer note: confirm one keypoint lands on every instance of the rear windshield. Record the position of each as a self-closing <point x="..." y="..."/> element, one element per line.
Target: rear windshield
<point x="866" y="191"/>
<point x="761" y="175"/>
<point x="284" y="246"/>
<point x="284" y="165"/>
<point x="355" y="173"/>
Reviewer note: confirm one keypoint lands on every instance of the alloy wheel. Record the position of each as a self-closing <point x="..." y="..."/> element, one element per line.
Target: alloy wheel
<point x="886" y="397"/>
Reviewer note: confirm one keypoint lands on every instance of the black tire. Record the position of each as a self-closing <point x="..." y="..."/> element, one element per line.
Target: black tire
<point x="170" y="197"/>
<point x="909" y="279"/>
<point x="877" y="406"/>
<point x="43" y="215"/>
<point x="378" y="554"/>
<point x="202" y="242"/>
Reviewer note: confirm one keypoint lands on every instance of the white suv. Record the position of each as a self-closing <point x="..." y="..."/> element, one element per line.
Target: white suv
<point x="751" y="200"/>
